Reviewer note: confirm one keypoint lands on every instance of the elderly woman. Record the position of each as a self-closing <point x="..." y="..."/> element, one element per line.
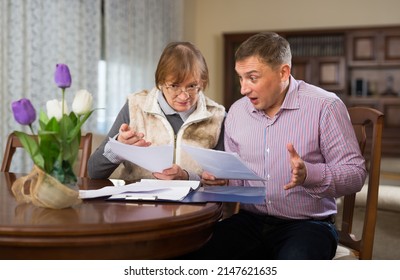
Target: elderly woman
<point x="175" y="112"/>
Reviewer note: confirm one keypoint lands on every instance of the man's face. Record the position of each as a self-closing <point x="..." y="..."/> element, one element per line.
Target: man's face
<point x="264" y="86"/>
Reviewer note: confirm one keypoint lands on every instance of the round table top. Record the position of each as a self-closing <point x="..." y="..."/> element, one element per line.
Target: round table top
<point x="100" y="229"/>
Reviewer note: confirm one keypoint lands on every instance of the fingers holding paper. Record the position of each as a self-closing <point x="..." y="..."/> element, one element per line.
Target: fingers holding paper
<point x="210" y="180"/>
<point x="128" y="136"/>
<point x="173" y="173"/>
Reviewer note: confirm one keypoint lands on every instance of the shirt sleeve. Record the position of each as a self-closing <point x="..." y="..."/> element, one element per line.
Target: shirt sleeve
<point x="343" y="171"/>
<point x="108" y="153"/>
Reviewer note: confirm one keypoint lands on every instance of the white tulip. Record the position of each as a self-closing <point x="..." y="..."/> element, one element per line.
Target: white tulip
<point x="83" y="102"/>
<point x="54" y="109"/>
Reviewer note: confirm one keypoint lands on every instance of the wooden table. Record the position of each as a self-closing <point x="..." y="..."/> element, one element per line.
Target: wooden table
<point x="99" y="229"/>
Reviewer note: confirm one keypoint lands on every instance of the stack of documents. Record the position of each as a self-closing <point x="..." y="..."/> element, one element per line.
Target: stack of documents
<point x="146" y="189"/>
<point x="179" y="191"/>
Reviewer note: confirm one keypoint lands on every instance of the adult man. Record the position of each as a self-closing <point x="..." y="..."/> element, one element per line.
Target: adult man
<point x="299" y="138"/>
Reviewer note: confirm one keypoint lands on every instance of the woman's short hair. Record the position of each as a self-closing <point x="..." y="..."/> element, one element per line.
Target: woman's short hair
<point x="181" y="60"/>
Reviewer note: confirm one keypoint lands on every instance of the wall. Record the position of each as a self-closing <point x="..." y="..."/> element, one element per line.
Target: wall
<point x="205" y="21"/>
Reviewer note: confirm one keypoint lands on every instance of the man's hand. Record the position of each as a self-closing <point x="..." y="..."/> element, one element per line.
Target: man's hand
<point x="173" y="173"/>
<point x="210" y="180"/>
<point x="299" y="171"/>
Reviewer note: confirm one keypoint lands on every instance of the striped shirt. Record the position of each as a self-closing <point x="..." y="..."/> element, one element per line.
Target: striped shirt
<point x="318" y="125"/>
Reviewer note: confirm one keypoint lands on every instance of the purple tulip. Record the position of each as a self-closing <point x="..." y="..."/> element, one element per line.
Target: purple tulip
<point x="62" y="77"/>
<point x="24" y="112"/>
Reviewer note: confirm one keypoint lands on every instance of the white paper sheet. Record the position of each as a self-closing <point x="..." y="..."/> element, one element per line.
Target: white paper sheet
<point x="153" y="158"/>
<point x="221" y="164"/>
<point x="164" y="194"/>
<point x="146" y="189"/>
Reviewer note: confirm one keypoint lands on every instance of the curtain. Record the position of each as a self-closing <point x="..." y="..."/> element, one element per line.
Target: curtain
<point x="111" y="47"/>
<point x="136" y="32"/>
<point x="36" y="35"/>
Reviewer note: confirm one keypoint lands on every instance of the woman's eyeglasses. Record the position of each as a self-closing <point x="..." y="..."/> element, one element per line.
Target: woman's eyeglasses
<point x="177" y="90"/>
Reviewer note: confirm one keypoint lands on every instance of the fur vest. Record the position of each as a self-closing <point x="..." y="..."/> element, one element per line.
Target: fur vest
<point x="201" y="129"/>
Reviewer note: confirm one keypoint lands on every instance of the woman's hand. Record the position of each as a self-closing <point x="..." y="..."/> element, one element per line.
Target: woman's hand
<point x="128" y="136"/>
<point x="173" y="173"/>
<point x="210" y="180"/>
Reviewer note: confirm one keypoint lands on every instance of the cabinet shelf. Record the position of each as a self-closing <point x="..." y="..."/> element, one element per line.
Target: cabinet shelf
<point x="375" y="67"/>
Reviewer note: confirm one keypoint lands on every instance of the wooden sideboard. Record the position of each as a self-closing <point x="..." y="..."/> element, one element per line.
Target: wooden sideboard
<point x="360" y="65"/>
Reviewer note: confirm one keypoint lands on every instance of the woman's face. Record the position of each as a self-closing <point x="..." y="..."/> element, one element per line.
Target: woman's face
<point x="181" y="96"/>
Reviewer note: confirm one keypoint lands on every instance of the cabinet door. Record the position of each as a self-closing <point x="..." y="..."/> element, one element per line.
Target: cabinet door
<point x="331" y="73"/>
<point x="328" y="73"/>
<point x="362" y="48"/>
<point x="378" y="47"/>
<point x="301" y="69"/>
<point x="391" y="47"/>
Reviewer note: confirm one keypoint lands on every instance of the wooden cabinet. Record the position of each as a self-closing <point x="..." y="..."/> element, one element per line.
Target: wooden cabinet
<point x="374" y="62"/>
<point x="373" y="65"/>
<point x="374" y="47"/>
<point x="319" y="58"/>
<point x="327" y="72"/>
<point x="361" y="65"/>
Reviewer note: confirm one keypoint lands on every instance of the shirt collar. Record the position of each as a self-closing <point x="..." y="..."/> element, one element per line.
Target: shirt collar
<point x="291" y="100"/>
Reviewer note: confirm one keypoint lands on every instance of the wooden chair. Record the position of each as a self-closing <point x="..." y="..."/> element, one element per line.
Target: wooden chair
<point x="362" y="247"/>
<point x="13" y="143"/>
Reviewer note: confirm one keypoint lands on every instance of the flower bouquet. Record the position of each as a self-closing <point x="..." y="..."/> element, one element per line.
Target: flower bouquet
<point x="55" y="149"/>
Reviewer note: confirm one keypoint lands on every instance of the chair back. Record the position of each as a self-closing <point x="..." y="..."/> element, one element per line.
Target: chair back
<point x="364" y="120"/>
<point x="13" y="143"/>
